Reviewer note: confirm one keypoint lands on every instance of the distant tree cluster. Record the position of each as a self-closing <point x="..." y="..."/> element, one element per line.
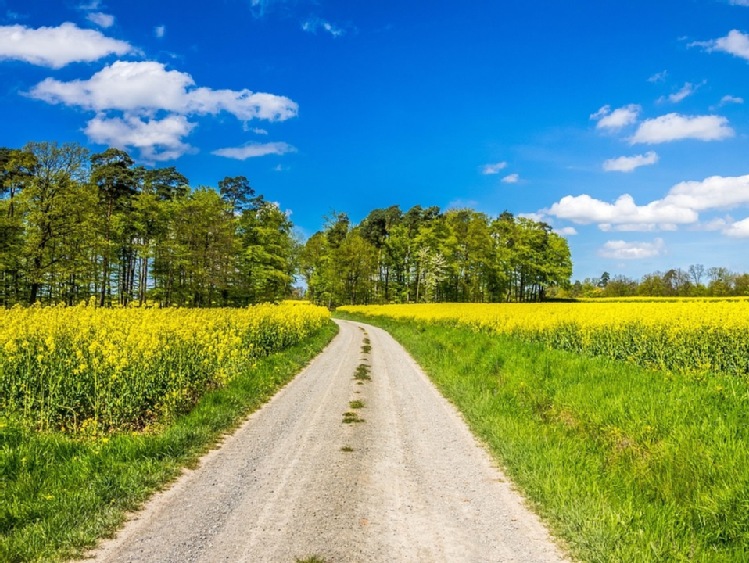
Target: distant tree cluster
<point x="75" y="226"/>
<point x="695" y="281"/>
<point x="425" y="255"/>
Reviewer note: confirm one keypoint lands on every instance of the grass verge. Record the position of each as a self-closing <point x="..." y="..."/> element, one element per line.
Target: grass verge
<point x="59" y="494"/>
<point x="625" y="464"/>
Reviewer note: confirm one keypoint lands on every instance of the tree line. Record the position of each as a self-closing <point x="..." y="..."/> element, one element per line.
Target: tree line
<point x="76" y="226"/>
<point x="695" y="281"/>
<point x="426" y="255"/>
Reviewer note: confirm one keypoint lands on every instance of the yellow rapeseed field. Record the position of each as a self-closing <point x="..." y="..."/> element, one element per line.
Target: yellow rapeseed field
<point x="688" y="335"/>
<point x="87" y="369"/>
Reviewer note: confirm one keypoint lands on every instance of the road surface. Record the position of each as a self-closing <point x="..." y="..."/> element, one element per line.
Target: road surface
<point x="400" y="478"/>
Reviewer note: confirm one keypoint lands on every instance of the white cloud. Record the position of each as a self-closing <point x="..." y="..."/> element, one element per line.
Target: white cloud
<point x="687" y="90"/>
<point x="253" y="150"/>
<point x="584" y="209"/>
<point x="159" y="31"/>
<point x="511" y="179"/>
<point x="629" y="163"/>
<point x="715" y="192"/>
<point x="128" y="96"/>
<point x="56" y="47"/>
<point x="658" y="76"/>
<point x="675" y="127"/>
<point x="621" y="250"/>
<point x="259" y="131"/>
<point x="739" y="2"/>
<point x="156" y="139"/>
<point x="716" y="224"/>
<point x="149" y="86"/>
<point x="728" y="99"/>
<point x="739" y="229"/>
<point x="616" y="119"/>
<point x="681" y="206"/>
<point x="490" y="169"/>
<point x="313" y="24"/>
<point x="566" y="231"/>
<point x="92" y="5"/>
<point x="101" y="19"/>
<point x="735" y="43"/>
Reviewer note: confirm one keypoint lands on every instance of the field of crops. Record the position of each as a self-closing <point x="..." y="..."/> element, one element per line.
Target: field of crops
<point x="90" y="370"/>
<point x="689" y="336"/>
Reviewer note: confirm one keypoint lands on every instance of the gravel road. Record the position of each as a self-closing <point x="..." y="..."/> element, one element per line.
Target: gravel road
<point x="398" y="479"/>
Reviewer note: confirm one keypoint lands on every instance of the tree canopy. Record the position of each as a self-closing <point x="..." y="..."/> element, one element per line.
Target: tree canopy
<point x="426" y="255"/>
<point x="75" y="225"/>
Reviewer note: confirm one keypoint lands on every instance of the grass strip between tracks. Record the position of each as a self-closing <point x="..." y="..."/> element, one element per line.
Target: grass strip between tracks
<point x="58" y="494"/>
<point x="625" y="464"/>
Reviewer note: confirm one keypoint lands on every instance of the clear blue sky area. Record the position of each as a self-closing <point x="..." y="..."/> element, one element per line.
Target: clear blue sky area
<point x="621" y="123"/>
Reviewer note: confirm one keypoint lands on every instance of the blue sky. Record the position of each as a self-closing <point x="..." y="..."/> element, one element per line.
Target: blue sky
<point x="621" y="123"/>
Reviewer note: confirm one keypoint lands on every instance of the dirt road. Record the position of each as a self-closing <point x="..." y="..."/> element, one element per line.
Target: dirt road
<point x="399" y="478"/>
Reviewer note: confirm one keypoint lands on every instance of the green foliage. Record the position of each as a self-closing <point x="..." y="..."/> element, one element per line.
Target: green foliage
<point x="425" y="255"/>
<point x="695" y="281"/>
<point x="626" y="464"/>
<point x="74" y="225"/>
<point x="362" y="373"/>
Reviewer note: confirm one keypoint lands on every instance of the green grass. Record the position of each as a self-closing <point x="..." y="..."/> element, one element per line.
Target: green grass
<point x="356" y="404"/>
<point x="625" y="464"/>
<point x="58" y="494"/>
<point x="362" y="373"/>
<point x="351" y="417"/>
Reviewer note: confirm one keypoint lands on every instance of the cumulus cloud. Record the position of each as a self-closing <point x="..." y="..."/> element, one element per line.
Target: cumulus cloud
<point x="101" y="19"/>
<point x="735" y="43"/>
<point x="511" y="179"/>
<point x="56" y="47"/>
<point x="681" y="206"/>
<point x="622" y="250"/>
<point x="739" y="229"/>
<point x="616" y="119"/>
<point x="566" y="231"/>
<point x="253" y="150"/>
<point x="584" y="209"/>
<point x="157" y="139"/>
<point x="675" y="127"/>
<point x="149" y="86"/>
<point x="131" y="99"/>
<point x="312" y="25"/>
<point x="715" y="192"/>
<point x="630" y="163"/>
<point x="490" y="169"/>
